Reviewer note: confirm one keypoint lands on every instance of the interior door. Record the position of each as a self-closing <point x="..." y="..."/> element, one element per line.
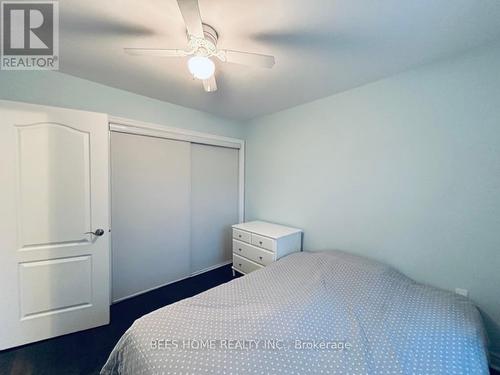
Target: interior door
<point x="54" y="180"/>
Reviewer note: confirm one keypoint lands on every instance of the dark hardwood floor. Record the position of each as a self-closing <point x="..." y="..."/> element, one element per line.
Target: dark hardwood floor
<point x="86" y="352"/>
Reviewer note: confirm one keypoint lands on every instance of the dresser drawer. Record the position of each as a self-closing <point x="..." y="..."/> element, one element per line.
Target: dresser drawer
<point x="260" y="256"/>
<point x="242" y="235"/>
<point x="244" y="265"/>
<point x="264" y="242"/>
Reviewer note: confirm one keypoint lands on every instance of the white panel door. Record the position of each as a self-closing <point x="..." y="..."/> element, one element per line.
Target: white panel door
<point x="214" y="204"/>
<point x="54" y="189"/>
<point x="151" y="186"/>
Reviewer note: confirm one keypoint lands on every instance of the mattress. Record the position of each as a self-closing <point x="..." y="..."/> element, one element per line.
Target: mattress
<point x="309" y="313"/>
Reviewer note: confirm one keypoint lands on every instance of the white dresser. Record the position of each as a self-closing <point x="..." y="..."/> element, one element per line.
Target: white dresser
<point x="257" y="244"/>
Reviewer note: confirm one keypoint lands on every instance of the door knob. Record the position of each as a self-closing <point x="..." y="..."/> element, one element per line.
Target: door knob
<point x="98" y="232"/>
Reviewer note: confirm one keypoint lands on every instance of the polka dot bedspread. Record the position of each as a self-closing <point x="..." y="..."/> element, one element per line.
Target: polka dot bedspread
<point x="309" y="313"/>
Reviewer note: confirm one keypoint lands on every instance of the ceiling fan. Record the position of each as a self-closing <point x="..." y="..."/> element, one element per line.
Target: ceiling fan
<point x="202" y="46"/>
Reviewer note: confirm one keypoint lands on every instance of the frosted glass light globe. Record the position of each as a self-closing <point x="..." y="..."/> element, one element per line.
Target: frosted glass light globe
<point x="201" y="67"/>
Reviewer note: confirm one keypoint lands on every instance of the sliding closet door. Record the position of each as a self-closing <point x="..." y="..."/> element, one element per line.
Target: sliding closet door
<point x="214" y="204"/>
<point x="151" y="185"/>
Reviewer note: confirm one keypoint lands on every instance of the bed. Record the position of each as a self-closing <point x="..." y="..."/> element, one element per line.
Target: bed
<point x="309" y="313"/>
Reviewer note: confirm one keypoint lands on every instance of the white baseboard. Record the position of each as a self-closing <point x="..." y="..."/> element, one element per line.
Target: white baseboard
<point x="211" y="268"/>
<point x="173" y="281"/>
<point x="495" y="361"/>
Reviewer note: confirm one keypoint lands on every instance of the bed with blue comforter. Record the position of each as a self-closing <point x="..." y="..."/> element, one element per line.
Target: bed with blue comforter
<point x="309" y="313"/>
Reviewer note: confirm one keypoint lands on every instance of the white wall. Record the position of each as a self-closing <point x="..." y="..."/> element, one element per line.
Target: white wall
<point x="62" y="90"/>
<point x="405" y="170"/>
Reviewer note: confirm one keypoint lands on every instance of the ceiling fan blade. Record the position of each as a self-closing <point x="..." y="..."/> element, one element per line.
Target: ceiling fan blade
<point x="156" y="52"/>
<point x="191" y="14"/>
<point x="210" y="85"/>
<point x="247" y="58"/>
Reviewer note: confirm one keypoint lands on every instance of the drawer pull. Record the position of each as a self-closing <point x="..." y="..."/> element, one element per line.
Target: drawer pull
<point x="260" y="258"/>
<point x="239" y="235"/>
<point x="260" y="242"/>
<point x="239" y="264"/>
<point x="239" y="249"/>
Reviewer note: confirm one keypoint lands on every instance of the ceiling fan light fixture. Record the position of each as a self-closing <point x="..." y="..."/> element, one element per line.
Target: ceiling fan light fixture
<point x="202" y="48"/>
<point x="201" y="67"/>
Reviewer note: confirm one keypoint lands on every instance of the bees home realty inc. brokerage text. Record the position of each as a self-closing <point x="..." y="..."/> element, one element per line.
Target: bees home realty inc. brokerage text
<point x="234" y="344"/>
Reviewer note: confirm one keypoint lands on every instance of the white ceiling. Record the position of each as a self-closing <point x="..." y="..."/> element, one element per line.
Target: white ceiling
<point x="321" y="46"/>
